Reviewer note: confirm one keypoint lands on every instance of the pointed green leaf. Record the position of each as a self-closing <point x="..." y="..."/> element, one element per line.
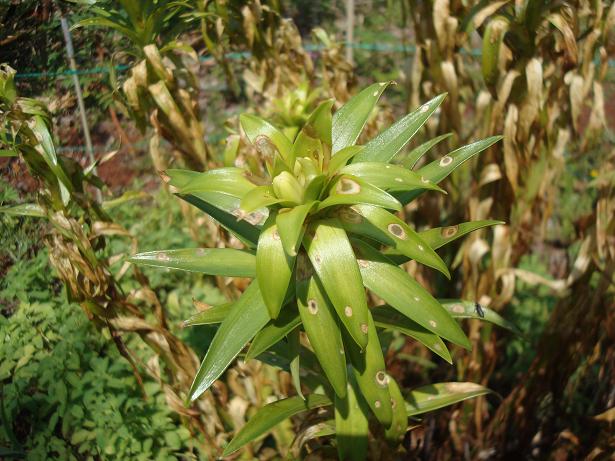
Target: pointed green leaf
<point x="440" y="395"/>
<point x="410" y="160"/>
<point x="439" y="169"/>
<point x="271" y="415"/>
<point x="274" y="332"/>
<point x="440" y="236"/>
<point x="8" y="153"/>
<point x="265" y="137"/>
<point x="342" y="157"/>
<point x="351" y="424"/>
<point x="290" y="226"/>
<point x="387" y="144"/>
<point x="398" y="427"/>
<point x="246" y="318"/>
<point x="389" y="177"/>
<point x="230" y="180"/>
<point x="259" y="197"/>
<point x="210" y="316"/>
<point x="321" y="120"/>
<point x="228" y="262"/>
<point x="388" y="229"/>
<point x="336" y="266"/>
<point x="388" y="318"/>
<point x="406" y="295"/>
<point x="273" y="267"/>
<point x="370" y="372"/>
<point x="348" y="122"/>
<point x="349" y="190"/>
<point x="322" y="329"/>
<point x="460" y="309"/>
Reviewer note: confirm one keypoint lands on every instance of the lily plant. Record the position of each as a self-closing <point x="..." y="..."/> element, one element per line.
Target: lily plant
<point x="320" y="231"/>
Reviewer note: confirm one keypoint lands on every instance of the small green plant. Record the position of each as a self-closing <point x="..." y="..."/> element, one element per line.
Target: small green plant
<point x="319" y="230"/>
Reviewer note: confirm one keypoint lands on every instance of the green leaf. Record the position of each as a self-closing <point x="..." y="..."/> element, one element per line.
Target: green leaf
<point x="242" y="229"/>
<point x="388" y="229"/>
<point x="493" y="37"/>
<point x="322" y="328"/>
<point x="8" y="153"/>
<point x="406" y="295"/>
<point x="440" y="236"/>
<point x="24" y="209"/>
<point x="230" y="180"/>
<point x="389" y="177"/>
<point x="265" y="137"/>
<point x="290" y="226"/>
<point x="342" y="157"/>
<point x="387" y="144"/>
<point x="246" y="318"/>
<point x="370" y="372"/>
<point x="410" y="160"/>
<point x="321" y="120"/>
<point x="227" y="262"/>
<point x="398" y="427"/>
<point x="273" y="267"/>
<point x="390" y="319"/>
<point x="336" y="266"/>
<point x="350" y="190"/>
<point x="437" y="170"/>
<point x="460" y="309"/>
<point x="351" y="424"/>
<point x="259" y="197"/>
<point x="440" y="395"/>
<point x="348" y="122"/>
<point x="271" y="415"/>
<point x="274" y="332"/>
<point x="210" y="316"/>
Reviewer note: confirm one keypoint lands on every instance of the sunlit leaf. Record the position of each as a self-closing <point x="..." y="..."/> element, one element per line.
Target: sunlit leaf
<point x="246" y="318"/>
<point x="209" y="316"/>
<point x="351" y="424"/>
<point x="228" y="262"/>
<point x="265" y="137"/>
<point x="290" y="226"/>
<point x="411" y="159"/>
<point x="387" y="144"/>
<point x="274" y="332"/>
<point x="435" y="396"/>
<point x="349" y="120"/>
<point x="398" y="426"/>
<point x="389" y="177"/>
<point x="349" y="190"/>
<point x="460" y="309"/>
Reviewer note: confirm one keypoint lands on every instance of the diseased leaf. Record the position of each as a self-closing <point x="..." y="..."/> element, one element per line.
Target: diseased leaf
<point x="351" y="424"/>
<point x="349" y="190"/>
<point x="246" y="318"/>
<point x="389" y="177"/>
<point x="342" y="157"/>
<point x="370" y="373"/>
<point x="271" y="415"/>
<point x="265" y="137"/>
<point x="388" y="229"/>
<point x="274" y="332"/>
<point x="336" y="266"/>
<point x="322" y="328"/>
<point x="406" y="295"/>
<point x="398" y="426"/>
<point x="460" y="309"/>
<point x="437" y="170"/>
<point x="321" y="120"/>
<point x="387" y="144"/>
<point x="435" y="396"/>
<point x="390" y="319"/>
<point x="229" y="180"/>
<point x="411" y="159"/>
<point x="349" y="120"/>
<point x="227" y="262"/>
<point x="259" y="197"/>
<point x="440" y="236"/>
